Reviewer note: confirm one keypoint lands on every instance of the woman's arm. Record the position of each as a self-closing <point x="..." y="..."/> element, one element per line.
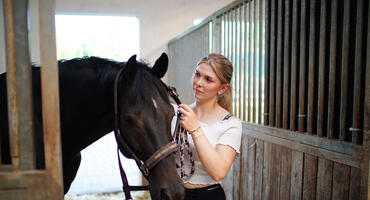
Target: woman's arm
<point x="216" y="161"/>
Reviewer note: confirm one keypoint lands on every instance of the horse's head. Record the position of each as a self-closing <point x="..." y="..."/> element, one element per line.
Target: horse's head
<point x="145" y="115"/>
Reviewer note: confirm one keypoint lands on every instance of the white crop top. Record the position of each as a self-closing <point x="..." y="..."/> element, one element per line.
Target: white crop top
<point x="227" y="132"/>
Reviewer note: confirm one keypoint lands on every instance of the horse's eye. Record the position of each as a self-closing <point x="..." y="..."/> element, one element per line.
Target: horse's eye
<point x="128" y="120"/>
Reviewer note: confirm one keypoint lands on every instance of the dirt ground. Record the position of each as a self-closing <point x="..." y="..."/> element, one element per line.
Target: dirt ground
<point x="109" y="196"/>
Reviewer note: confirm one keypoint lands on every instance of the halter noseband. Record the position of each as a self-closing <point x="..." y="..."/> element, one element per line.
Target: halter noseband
<point x="157" y="156"/>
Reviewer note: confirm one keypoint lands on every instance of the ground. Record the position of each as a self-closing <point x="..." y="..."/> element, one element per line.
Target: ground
<point x="109" y="196"/>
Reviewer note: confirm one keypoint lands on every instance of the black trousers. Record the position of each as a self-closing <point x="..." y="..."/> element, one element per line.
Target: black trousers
<point x="212" y="192"/>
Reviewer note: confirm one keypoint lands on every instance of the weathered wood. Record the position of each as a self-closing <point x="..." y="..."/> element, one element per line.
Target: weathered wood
<point x="322" y="153"/>
<point x="311" y="69"/>
<point x="272" y="63"/>
<point x="358" y="65"/>
<point x="260" y="10"/>
<point x="258" y="170"/>
<point x="322" y="82"/>
<point x="296" y="175"/>
<point x="285" y="173"/>
<point x="251" y="167"/>
<point x="341" y="176"/>
<point x="266" y="175"/>
<point x="309" y="177"/>
<point x="343" y="128"/>
<point x="332" y="145"/>
<point x="302" y="116"/>
<point x="324" y="179"/>
<point x="355" y="184"/>
<point x="287" y="63"/>
<point x="332" y="68"/>
<point x="243" y="168"/>
<point x="295" y="69"/>
<point x="236" y="177"/>
<point x="246" y="64"/>
<point x="279" y="64"/>
<point x="239" y="83"/>
<point x="254" y="65"/>
<point x="248" y="56"/>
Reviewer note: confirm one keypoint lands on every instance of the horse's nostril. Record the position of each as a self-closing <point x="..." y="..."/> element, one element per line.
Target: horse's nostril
<point x="165" y="195"/>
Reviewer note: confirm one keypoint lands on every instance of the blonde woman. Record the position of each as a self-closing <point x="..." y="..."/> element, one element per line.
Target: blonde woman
<point x="215" y="133"/>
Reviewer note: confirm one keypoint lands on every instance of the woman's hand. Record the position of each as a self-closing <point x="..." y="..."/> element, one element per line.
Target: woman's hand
<point x="188" y="118"/>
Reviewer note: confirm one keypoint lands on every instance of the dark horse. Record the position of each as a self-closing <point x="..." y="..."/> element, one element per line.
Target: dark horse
<point x="87" y="113"/>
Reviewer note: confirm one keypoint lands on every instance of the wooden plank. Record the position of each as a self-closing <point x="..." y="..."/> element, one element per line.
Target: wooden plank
<point x="295" y="60"/>
<point x="287" y="63"/>
<point x="248" y="56"/>
<point x="355" y="184"/>
<point x="244" y="167"/>
<point x="309" y="177"/>
<point x="267" y="20"/>
<point x="356" y="118"/>
<point x="254" y="66"/>
<point x="322" y="82"/>
<point x="236" y="178"/>
<point x="331" y="145"/>
<point x="285" y="173"/>
<point x="260" y="62"/>
<point x="332" y="68"/>
<point x="246" y="64"/>
<point x="296" y="185"/>
<point x="311" y="69"/>
<point x="251" y="167"/>
<point x="272" y="63"/>
<point x="324" y="179"/>
<point x="299" y="146"/>
<point x="279" y="64"/>
<point x="343" y="128"/>
<point x="240" y="81"/>
<point x="341" y="177"/>
<point x="266" y="175"/>
<point x="258" y="170"/>
<point x="302" y="116"/>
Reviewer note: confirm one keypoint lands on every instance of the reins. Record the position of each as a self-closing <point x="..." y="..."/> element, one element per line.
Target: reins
<point x="180" y="136"/>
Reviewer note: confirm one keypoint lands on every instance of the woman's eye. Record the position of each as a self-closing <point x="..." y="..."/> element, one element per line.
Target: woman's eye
<point x="197" y="74"/>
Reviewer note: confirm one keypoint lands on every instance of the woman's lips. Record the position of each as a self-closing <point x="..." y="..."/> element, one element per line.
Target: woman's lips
<point x="197" y="91"/>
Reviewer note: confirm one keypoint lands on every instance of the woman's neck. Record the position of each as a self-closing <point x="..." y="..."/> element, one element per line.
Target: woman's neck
<point x="209" y="111"/>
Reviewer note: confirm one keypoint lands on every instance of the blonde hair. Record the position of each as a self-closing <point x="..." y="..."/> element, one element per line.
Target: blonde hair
<point x="223" y="69"/>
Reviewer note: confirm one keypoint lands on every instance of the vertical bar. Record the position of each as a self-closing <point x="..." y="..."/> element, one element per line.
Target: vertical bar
<point x="345" y="65"/>
<point x="235" y="64"/>
<point x="287" y="61"/>
<point x="240" y="61"/>
<point x="254" y="66"/>
<point x="332" y="67"/>
<point x="20" y="107"/>
<point x="246" y="65"/>
<point x="250" y="59"/>
<point x="356" y="119"/>
<point x="294" y="66"/>
<point x="260" y="52"/>
<point x="50" y="98"/>
<point x="279" y="63"/>
<point x="303" y="67"/>
<point x="267" y="20"/>
<point x="249" y="62"/>
<point x="322" y="69"/>
<point x="272" y="63"/>
<point x="311" y="69"/>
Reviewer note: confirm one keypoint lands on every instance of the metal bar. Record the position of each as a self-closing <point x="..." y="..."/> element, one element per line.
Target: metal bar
<point x="246" y="66"/>
<point x="311" y="69"/>
<point x="287" y="63"/>
<point x="240" y="61"/>
<point x="279" y="64"/>
<point x="21" y="128"/>
<point x="294" y="67"/>
<point x="322" y="70"/>
<point x="254" y="66"/>
<point x="260" y="64"/>
<point x="303" y="67"/>
<point x="332" y="68"/>
<point x="267" y="20"/>
<point x="272" y="63"/>
<point x="232" y="56"/>
<point x="248" y="51"/>
<point x="356" y="118"/>
<point x="343" y="128"/>
<point x="50" y="98"/>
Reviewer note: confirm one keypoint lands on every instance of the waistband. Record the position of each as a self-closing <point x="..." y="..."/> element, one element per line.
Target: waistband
<point x="205" y="189"/>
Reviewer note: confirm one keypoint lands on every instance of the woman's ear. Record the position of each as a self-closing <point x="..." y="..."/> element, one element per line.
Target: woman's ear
<point x="223" y="89"/>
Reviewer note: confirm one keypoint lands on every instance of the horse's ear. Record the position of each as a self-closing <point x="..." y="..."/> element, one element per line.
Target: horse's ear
<point x="160" y="67"/>
<point x="130" y="69"/>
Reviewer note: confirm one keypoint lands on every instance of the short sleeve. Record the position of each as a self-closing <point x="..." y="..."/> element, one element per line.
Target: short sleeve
<point x="233" y="134"/>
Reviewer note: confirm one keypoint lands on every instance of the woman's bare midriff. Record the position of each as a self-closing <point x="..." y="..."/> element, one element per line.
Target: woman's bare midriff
<point x="192" y="186"/>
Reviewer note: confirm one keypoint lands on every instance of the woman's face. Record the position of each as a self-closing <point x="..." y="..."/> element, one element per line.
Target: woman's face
<point x="206" y="85"/>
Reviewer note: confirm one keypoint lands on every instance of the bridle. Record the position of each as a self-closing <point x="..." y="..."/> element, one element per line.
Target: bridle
<point x="157" y="156"/>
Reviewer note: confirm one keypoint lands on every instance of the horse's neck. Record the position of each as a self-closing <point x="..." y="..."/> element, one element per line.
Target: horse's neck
<point x="87" y="112"/>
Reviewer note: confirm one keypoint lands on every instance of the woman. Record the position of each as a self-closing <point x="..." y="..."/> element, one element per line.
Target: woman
<point x="215" y="133"/>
